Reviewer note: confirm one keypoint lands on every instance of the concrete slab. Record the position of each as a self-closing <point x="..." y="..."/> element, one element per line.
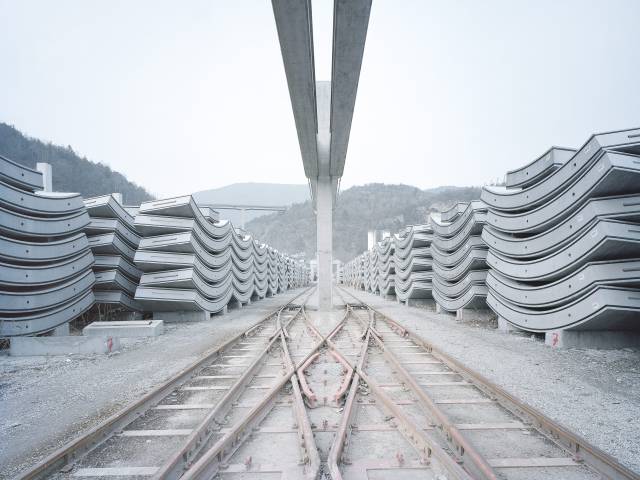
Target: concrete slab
<point x="125" y="329"/>
<point x="600" y="339"/>
<point x="183" y="316"/>
<point x="72" y="345"/>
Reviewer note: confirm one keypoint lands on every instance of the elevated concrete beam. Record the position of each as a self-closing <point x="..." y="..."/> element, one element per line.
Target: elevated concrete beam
<point x="295" y="31"/>
<point x="350" y="24"/>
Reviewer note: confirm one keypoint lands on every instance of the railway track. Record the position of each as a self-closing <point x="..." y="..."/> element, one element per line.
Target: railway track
<point x="348" y="394"/>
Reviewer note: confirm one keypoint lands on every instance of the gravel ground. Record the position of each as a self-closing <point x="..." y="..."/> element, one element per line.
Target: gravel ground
<point x="595" y="393"/>
<point x="45" y="402"/>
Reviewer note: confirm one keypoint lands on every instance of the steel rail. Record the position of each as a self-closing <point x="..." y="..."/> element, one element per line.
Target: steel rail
<point x="463" y="448"/>
<point x="575" y="445"/>
<point x="179" y="462"/>
<point x="208" y="465"/>
<point x="83" y="444"/>
<point x="431" y="453"/>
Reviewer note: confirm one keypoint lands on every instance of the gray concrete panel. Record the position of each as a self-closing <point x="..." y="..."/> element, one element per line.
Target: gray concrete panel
<point x="20" y="176"/>
<point x="111" y="244"/>
<point x="21" y="302"/>
<point x="117" y="262"/>
<point x="625" y="208"/>
<point x="451" y="259"/>
<point x="26" y="226"/>
<point x="99" y="226"/>
<point x="611" y="174"/>
<point x="474" y="298"/>
<point x="119" y="298"/>
<point x="538" y="169"/>
<point x="115" y="280"/>
<point x="561" y="179"/>
<point x="605" y="240"/>
<point x="39" y="204"/>
<point x="623" y="273"/>
<point x="44" y="321"/>
<point x="26" y="252"/>
<point x="604" y="308"/>
<point x="29" y="276"/>
<point x="474" y="259"/>
<point x="474" y="212"/>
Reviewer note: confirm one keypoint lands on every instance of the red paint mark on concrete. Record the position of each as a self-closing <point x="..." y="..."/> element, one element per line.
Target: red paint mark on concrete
<point x="109" y="344"/>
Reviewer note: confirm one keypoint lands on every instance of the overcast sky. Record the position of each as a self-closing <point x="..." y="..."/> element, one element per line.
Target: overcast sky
<point x="185" y="96"/>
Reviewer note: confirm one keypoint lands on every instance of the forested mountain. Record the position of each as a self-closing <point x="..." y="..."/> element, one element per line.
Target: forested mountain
<point x="71" y="173"/>
<point x="359" y="209"/>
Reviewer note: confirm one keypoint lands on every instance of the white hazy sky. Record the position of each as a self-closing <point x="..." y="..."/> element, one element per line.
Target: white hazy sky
<point x="185" y="96"/>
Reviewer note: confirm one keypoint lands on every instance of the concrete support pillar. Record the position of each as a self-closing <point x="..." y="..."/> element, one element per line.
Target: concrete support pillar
<point x="324" y="233"/>
<point x="47" y="175"/>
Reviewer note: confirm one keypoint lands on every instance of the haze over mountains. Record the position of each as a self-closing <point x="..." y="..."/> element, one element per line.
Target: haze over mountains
<point x="358" y="209"/>
<point x="250" y="193"/>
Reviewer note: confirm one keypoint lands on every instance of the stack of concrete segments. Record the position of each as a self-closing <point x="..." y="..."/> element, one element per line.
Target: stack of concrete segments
<point x="564" y="246"/>
<point x="413" y="263"/>
<point x="459" y="258"/>
<point x="45" y="261"/>
<point x="371" y="280"/>
<point x="353" y="272"/>
<point x="114" y="240"/>
<point x="386" y="269"/>
<point x="192" y="262"/>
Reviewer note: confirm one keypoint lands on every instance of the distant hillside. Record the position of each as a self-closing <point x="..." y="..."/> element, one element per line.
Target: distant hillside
<point x="359" y="209"/>
<point x="71" y="173"/>
<point x="272" y="194"/>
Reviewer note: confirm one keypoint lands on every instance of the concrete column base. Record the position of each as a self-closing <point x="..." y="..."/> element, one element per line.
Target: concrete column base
<point x="182" y="316"/>
<point x="473" y="314"/>
<point x="598" y="339"/>
<point x="506" y="327"/>
<point x="72" y="345"/>
<point x="124" y="329"/>
<point x="127" y="316"/>
<point x="61" y="330"/>
<point x="442" y="311"/>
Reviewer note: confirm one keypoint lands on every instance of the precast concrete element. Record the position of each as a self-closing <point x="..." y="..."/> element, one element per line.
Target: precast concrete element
<point x="541" y="167"/>
<point x="624" y="208"/>
<point x="505" y="199"/>
<point x="68" y="345"/>
<point x="563" y="247"/>
<point x="17" y="175"/>
<point x="195" y="266"/>
<point x="399" y="265"/>
<point x="113" y="239"/>
<point x="323" y="110"/>
<point x="612" y="174"/>
<point x="45" y="261"/>
<point x="459" y="257"/>
<point x="125" y="329"/>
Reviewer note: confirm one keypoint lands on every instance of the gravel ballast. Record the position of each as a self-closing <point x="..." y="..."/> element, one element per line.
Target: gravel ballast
<point x="47" y="401"/>
<point x="594" y="393"/>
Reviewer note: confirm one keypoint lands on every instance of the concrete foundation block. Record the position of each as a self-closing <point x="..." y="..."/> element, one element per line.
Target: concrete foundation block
<point x="598" y="339"/>
<point x="127" y="316"/>
<point x="61" y="330"/>
<point x="442" y="311"/>
<point x="73" y="345"/>
<point x="182" y="316"/>
<point x="473" y="314"/>
<point x="134" y="328"/>
<point x="506" y="327"/>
